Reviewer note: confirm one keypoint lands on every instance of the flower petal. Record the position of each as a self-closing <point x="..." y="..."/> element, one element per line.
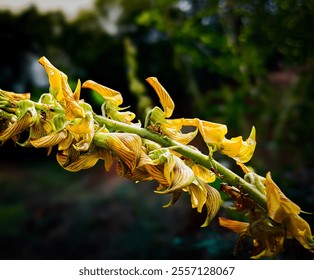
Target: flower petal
<point x="213" y="203"/>
<point x="278" y="205"/>
<point x="164" y="97"/>
<point x="236" y="226"/>
<point x="107" y="93"/>
<point x="54" y="77"/>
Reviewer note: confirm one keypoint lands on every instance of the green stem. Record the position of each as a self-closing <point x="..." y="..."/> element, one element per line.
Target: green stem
<point x="206" y="161"/>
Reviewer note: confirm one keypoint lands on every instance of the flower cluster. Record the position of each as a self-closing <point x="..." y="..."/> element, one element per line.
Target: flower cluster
<point x="158" y="151"/>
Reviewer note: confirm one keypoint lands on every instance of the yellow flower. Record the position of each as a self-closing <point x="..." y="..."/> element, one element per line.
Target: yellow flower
<point x="26" y="116"/>
<point x="159" y="119"/>
<point x="213" y="135"/>
<point x="125" y="146"/>
<point x="283" y="210"/>
<point x="113" y="99"/>
<point x="61" y="90"/>
<point x="73" y="160"/>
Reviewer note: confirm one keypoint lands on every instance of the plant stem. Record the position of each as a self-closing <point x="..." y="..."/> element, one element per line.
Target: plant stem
<point x="206" y="161"/>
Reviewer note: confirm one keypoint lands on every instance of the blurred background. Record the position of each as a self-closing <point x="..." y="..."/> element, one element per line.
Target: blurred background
<point x="240" y="63"/>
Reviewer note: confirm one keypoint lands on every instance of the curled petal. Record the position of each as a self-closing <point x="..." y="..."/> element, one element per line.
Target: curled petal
<point x="212" y="133"/>
<point x="165" y="99"/>
<point x="198" y="196"/>
<point x="49" y="140"/>
<point x="54" y="77"/>
<point x="300" y="229"/>
<point x="137" y="175"/>
<point x="77" y="91"/>
<point x="82" y="125"/>
<point x="203" y="173"/>
<point x="175" y="196"/>
<point x="231" y="147"/>
<point x="108" y="94"/>
<point x="156" y="172"/>
<point x="212" y="203"/>
<point x="126" y="146"/>
<point x="247" y="149"/>
<point x="13" y="97"/>
<point x="236" y="226"/>
<point x="72" y="108"/>
<point x="27" y="116"/>
<point x="82" y="161"/>
<point x="278" y="205"/>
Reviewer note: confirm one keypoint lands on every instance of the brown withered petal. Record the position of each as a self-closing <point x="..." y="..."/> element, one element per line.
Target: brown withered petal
<point x="165" y="99"/>
<point x="278" y="205"/>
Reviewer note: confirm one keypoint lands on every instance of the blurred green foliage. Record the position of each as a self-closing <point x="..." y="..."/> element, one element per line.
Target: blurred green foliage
<point x="241" y="63"/>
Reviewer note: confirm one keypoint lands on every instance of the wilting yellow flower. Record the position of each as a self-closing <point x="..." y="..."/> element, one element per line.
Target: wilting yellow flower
<point x="214" y="136"/>
<point x="61" y="90"/>
<point x="283" y="210"/>
<point x="13" y="97"/>
<point x="200" y="171"/>
<point x="159" y="118"/>
<point x="73" y="160"/>
<point x="26" y="116"/>
<point x="247" y="148"/>
<point x="126" y="146"/>
<point x="113" y="99"/>
<point x="267" y="239"/>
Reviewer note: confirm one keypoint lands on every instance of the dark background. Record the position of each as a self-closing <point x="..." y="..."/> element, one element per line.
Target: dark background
<point x="240" y="63"/>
